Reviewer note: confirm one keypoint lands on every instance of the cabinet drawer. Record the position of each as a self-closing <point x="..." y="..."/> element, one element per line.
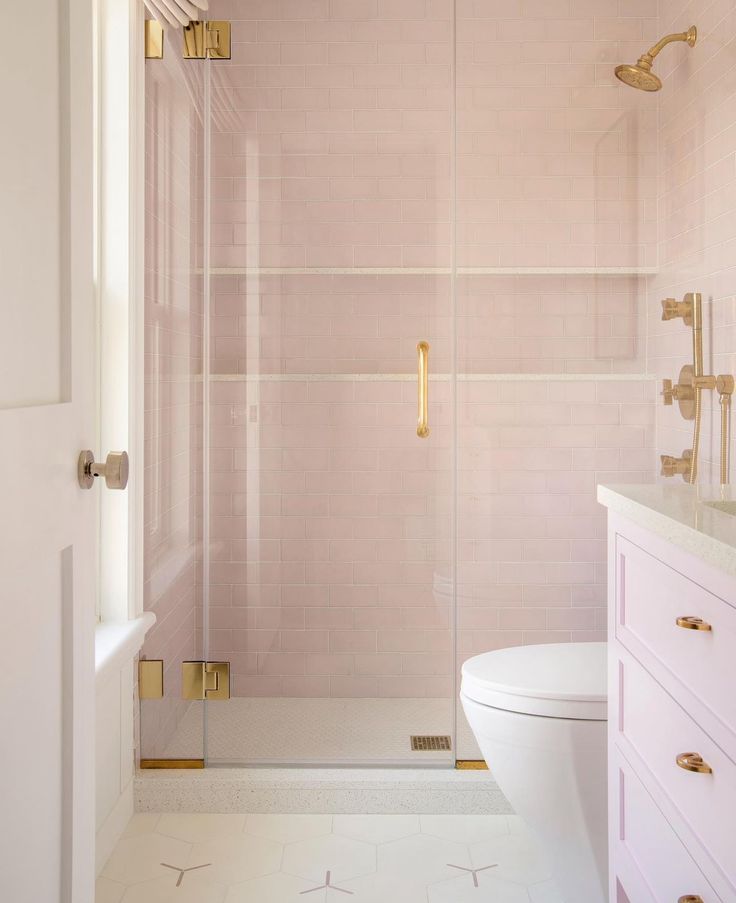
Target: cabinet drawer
<point x="659" y="730"/>
<point x="645" y="839"/>
<point x="650" y="597"/>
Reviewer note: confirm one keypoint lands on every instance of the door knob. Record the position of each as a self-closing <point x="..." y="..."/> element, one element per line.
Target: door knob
<point x="114" y="470"/>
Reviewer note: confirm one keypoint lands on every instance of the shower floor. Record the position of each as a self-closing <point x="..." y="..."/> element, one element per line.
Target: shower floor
<point x="308" y="731"/>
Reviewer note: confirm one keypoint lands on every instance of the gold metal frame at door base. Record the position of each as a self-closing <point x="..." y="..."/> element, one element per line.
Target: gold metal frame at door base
<point x="471" y="765"/>
<point x="172" y="763"/>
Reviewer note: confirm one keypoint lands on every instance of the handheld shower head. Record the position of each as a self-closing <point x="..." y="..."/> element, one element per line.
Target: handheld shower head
<point x="640" y="75"/>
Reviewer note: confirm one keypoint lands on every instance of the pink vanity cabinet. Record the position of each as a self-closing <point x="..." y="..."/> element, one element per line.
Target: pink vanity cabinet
<point x="672" y="720"/>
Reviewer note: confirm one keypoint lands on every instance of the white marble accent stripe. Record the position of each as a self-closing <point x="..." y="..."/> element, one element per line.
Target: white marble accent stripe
<point x="431" y="271"/>
<point x="436" y="377"/>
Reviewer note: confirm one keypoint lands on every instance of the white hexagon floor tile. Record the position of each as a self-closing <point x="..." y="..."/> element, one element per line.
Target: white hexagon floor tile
<point x="194" y="858"/>
<point x="422" y="857"/>
<point x="546" y="892"/>
<point x="193" y="889"/>
<point x="107" y="891"/>
<point x="200" y="827"/>
<point x="465" y="828"/>
<point x="276" y="888"/>
<point x="238" y="857"/>
<point x="138" y="858"/>
<point x="381" y="888"/>
<point x="288" y="828"/>
<point x="343" y="857"/>
<point x="488" y="890"/>
<point x="376" y="828"/>
<point x="518" y="860"/>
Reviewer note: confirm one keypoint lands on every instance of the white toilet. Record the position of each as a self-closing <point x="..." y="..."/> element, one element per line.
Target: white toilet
<point x="539" y="716"/>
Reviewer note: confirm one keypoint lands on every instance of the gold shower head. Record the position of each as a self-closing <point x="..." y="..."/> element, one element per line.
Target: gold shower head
<point x="640" y="75"/>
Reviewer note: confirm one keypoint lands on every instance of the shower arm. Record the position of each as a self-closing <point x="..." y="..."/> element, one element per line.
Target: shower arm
<point x="687" y="36"/>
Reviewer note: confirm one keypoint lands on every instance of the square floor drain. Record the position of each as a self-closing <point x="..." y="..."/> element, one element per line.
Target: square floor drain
<point x="429" y="743"/>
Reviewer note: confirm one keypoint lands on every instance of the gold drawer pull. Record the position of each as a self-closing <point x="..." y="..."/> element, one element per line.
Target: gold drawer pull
<point x="693" y="762"/>
<point x="690" y="622"/>
<point x="690" y="898"/>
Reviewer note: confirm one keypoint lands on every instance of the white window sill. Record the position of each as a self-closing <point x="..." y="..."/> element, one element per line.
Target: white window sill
<point x="118" y="642"/>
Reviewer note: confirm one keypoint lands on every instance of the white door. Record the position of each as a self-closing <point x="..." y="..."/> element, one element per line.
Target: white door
<point x="48" y="528"/>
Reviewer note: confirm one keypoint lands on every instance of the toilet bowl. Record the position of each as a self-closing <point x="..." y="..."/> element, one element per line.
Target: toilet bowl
<point x="539" y="716"/>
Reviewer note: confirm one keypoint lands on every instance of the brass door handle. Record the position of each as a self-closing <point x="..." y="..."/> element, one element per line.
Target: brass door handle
<point x="691" y="761"/>
<point x="690" y="622"/>
<point x="423" y="389"/>
<point x="114" y="470"/>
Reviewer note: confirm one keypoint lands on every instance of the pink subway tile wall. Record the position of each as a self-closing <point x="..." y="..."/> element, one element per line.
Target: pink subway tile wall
<point x="556" y="163"/>
<point x="329" y="323"/>
<point x="574" y="324"/>
<point x="697" y="198"/>
<point x="532" y="546"/>
<point x="331" y="539"/>
<point x="331" y="525"/>
<point x="333" y="150"/>
<point x="173" y="389"/>
<point x="334" y="138"/>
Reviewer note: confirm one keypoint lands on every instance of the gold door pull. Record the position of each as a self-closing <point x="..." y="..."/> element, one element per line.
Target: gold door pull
<point x="691" y="761"/>
<point x="423" y="386"/>
<point x="690" y="622"/>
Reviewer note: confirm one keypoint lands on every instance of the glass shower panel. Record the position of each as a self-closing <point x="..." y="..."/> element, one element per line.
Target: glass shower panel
<point x="331" y="578"/>
<point x="172" y="728"/>
<point x="555" y="238"/>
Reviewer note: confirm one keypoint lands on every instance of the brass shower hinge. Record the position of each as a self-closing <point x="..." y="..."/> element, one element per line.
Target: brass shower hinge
<point x="207" y="39"/>
<point x="202" y="40"/>
<point x="205" y="680"/>
<point x="154" y="40"/>
<point x="150" y="678"/>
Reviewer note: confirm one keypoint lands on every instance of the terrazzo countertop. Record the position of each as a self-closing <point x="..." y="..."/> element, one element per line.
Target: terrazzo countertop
<point x="687" y="516"/>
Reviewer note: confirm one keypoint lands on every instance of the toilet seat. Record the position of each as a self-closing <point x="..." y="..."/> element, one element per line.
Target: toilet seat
<point x="558" y="680"/>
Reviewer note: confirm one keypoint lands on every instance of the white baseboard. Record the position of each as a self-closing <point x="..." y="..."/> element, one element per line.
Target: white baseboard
<point x="112" y="828"/>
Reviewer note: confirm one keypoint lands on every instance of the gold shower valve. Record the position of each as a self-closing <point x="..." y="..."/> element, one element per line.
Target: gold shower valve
<point x="672" y="308"/>
<point x="671" y="466"/>
<point x="682" y="392"/>
<point x="667" y="393"/>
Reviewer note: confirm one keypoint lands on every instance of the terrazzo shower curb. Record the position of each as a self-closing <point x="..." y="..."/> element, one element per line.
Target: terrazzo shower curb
<point x="320" y="791"/>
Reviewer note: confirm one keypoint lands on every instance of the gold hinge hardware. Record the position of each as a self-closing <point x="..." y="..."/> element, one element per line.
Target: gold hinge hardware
<point x="205" y="680"/>
<point x="154" y="40"/>
<point x="171" y="763"/>
<point x="207" y="39"/>
<point x="150" y="678"/>
<point x="470" y="765"/>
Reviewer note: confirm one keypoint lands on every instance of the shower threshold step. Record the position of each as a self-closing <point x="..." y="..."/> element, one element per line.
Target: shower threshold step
<point x="320" y="790"/>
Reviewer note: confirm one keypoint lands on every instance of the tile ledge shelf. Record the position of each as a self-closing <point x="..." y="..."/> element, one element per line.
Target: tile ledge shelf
<point x="430" y="271"/>
<point x="436" y="377"/>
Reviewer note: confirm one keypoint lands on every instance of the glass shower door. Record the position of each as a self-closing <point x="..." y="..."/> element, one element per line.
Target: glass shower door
<point x="329" y="579"/>
<point x="172" y="727"/>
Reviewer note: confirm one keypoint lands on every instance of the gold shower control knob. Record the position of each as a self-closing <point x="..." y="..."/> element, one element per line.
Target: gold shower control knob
<point x="667" y="393"/>
<point x="671" y="309"/>
<point x="115" y="469"/>
<point x="690" y="898"/>
<point x="671" y="466"/>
